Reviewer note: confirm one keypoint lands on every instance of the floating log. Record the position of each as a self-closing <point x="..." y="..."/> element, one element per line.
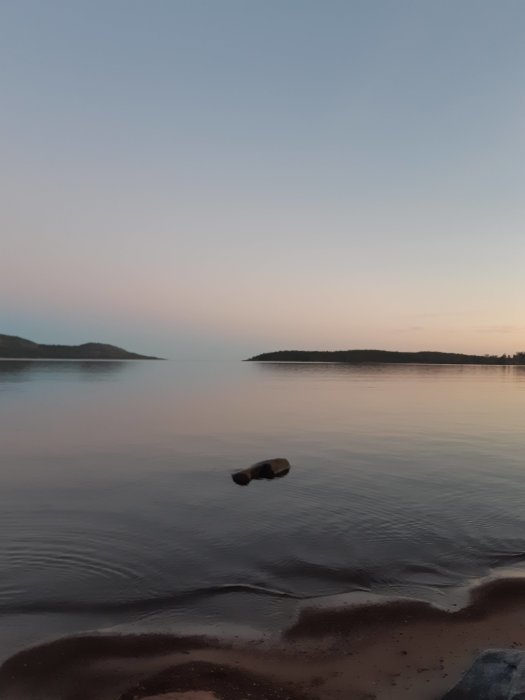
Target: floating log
<point x="269" y="469"/>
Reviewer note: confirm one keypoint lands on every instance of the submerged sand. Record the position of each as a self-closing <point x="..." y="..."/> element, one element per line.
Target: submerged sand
<point x="406" y="650"/>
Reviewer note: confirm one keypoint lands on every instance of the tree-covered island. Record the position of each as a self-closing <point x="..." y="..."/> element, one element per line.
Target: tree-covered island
<point x="388" y="356"/>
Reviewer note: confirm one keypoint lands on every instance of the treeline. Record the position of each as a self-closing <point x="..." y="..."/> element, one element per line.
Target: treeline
<point x="388" y="356"/>
<point x="13" y="347"/>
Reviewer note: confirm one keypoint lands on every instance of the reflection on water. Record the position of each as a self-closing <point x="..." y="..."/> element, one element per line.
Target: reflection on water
<point x="18" y="370"/>
<point x="338" y="369"/>
<point x="117" y="506"/>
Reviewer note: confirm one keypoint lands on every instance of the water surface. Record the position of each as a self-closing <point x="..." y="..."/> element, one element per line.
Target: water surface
<point x="117" y="510"/>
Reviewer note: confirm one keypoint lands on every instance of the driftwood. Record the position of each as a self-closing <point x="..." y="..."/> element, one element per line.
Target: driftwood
<point x="269" y="469"/>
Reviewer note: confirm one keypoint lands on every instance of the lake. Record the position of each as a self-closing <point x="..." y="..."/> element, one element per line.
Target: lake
<point x="117" y="510"/>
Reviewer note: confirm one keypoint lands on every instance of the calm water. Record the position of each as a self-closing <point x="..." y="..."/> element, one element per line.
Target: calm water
<point x="117" y="510"/>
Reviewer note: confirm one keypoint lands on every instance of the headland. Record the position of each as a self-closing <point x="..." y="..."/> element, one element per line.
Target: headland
<point x="13" y="347"/>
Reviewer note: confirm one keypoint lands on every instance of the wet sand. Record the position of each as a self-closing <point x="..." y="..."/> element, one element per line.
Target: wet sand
<point x="399" y="650"/>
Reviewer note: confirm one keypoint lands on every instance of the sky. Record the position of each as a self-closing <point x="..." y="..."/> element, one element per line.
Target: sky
<point x="195" y="178"/>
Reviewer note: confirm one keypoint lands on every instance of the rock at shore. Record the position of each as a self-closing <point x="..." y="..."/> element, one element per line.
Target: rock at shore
<point x="497" y="674"/>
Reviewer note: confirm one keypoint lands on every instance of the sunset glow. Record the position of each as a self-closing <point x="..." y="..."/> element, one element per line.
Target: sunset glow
<point x="230" y="178"/>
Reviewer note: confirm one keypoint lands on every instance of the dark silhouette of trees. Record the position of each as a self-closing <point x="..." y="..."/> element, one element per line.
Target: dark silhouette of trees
<point x="387" y="356"/>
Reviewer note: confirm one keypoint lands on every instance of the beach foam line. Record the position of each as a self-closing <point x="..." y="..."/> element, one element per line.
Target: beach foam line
<point x="488" y="597"/>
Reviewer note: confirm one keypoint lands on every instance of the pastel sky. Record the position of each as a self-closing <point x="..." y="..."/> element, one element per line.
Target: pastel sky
<point x="199" y="177"/>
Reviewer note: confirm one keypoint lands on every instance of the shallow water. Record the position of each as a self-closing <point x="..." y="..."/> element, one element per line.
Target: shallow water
<point x="117" y="511"/>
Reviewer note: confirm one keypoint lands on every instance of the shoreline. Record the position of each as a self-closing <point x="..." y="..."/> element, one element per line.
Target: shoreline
<point x="387" y="651"/>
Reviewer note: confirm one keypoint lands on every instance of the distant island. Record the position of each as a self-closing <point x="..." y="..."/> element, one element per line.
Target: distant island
<point x="388" y="356"/>
<point x="13" y="347"/>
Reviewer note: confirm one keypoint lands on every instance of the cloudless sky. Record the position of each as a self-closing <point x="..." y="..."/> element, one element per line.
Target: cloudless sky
<point x="201" y="177"/>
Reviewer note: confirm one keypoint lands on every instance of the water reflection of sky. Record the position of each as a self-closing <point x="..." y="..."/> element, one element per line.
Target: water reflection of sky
<point x="115" y="481"/>
<point x="113" y="405"/>
<point x="28" y="370"/>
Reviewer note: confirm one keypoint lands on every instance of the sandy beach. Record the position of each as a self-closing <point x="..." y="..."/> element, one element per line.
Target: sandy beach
<point x="401" y="649"/>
